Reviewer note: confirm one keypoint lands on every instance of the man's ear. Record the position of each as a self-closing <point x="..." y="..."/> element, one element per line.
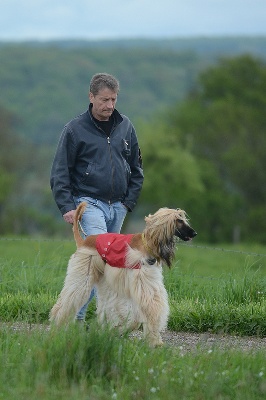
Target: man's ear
<point x="91" y="97"/>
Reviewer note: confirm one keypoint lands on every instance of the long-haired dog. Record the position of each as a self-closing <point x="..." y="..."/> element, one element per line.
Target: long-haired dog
<point x="127" y="273"/>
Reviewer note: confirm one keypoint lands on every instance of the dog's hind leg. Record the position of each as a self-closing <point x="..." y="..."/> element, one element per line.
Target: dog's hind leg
<point x="80" y="279"/>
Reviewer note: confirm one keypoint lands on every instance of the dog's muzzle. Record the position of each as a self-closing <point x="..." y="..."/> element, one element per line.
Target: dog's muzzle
<point x="186" y="233"/>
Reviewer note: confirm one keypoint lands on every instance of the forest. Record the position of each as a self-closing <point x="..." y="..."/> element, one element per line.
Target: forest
<point x="199" y="110"/>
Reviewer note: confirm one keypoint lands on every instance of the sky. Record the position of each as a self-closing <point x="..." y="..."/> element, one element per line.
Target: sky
<point x="101" y="19"/>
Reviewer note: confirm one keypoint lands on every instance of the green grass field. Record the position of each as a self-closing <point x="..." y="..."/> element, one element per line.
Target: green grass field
<point x="210" y="290"/>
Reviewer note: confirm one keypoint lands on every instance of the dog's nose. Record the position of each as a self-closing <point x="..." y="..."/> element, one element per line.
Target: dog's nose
<point x="194" y="233"/>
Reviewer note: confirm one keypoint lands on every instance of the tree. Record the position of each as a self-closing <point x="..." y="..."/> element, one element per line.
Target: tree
<point x="7" y="162"/>
<point x="26" y="204"/>
<point x="224" y="121"/>
<point x="172" y="175"/>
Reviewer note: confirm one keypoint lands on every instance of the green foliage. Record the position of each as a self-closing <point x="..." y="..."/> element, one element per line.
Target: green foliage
<point x="49" y="85"/>
<point x="171" y="172"/>
<point x="6" y="181"/>
<point x="9" y="158"/>
<point x="223" y="123"/>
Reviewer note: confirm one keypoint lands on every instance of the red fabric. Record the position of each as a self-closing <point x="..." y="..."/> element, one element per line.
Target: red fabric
<point x="112" y="247"/>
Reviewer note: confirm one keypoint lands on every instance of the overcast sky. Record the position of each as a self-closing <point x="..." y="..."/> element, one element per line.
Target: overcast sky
<point x="86" y="19"/>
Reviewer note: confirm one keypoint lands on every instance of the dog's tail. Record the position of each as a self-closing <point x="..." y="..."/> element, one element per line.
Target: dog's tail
<point x="79" y="211"/>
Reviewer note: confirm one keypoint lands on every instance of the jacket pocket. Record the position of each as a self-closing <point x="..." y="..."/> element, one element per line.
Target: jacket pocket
<point x="89" y="171"/>
<point x="126" y="149"/>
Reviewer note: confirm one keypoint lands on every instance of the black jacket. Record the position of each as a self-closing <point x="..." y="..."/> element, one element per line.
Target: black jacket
<point x="88" y="163"/>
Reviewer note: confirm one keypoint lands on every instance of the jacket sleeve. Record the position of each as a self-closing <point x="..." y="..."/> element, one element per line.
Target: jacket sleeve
<point x="60" y="172"/>
<point x="137" y="177"/>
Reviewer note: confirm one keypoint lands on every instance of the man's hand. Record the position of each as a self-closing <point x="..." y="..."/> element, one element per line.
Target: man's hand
<point x="69" y="216"/>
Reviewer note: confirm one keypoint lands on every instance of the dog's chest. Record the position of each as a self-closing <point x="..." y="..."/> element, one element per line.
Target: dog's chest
<point x="113" y="248"/>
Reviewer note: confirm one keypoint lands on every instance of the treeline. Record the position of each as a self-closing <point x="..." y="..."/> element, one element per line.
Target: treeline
<point x="209" y="153"/>
<point x="45" y="83"/>
<point x="200" y="124"/>
<point x="45" y="87"/>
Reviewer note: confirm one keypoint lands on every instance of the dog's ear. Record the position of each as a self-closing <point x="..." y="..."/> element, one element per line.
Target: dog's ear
<point x="166" y="254"/>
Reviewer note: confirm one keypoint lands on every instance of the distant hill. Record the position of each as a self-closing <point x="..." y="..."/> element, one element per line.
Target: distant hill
<point x="46" y="83"/>
<point x="202" y="46"/>
<point x="207" y="46"/>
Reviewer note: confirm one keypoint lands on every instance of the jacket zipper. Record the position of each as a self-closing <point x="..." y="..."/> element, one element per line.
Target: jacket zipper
<point x="108" y="141"/>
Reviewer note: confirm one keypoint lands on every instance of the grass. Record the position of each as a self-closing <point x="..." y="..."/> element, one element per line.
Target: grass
<point x="230" y="298"/>
<point x="73" y="363"/>
<point x="209" y="291"/>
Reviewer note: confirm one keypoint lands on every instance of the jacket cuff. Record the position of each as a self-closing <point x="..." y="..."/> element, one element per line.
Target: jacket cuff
<point x="129" y="205"/>
<point x="66" y="209"/>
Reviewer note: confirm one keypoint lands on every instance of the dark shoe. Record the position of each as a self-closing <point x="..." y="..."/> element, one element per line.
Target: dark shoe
<point x="82" y="322"/>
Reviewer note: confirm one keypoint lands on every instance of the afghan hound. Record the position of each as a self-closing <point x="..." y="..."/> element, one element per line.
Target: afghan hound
<point x="127" y="273"/>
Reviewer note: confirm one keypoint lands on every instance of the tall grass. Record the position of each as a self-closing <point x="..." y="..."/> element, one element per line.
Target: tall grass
<point x="73" y="363"/>
<point x="232" y="303"/>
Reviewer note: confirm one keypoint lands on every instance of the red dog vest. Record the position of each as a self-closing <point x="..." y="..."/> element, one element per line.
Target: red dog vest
<point x="113" y="247"/>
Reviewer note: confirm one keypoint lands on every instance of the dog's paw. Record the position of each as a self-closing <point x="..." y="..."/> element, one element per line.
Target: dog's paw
<point x="159" y="344"/>
<point x="156" y="343"/>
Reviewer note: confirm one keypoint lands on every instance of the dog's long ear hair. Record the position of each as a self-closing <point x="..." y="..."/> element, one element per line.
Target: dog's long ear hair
<point x="160" y="233"/>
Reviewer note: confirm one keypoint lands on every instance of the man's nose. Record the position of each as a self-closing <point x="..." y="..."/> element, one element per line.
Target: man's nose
<point x="110" y="104"/>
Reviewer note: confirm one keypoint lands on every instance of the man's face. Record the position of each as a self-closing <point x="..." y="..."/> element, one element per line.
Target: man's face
<point x="103" y="104"/>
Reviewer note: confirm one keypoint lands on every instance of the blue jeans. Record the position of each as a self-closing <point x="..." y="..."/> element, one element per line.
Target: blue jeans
<point x="99" y="217"/>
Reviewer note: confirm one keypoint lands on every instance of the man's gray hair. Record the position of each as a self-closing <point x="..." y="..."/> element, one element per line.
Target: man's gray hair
<point x="101" y="81"/>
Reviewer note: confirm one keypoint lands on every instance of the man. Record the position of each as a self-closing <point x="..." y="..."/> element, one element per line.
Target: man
<point x="98" y="160"/>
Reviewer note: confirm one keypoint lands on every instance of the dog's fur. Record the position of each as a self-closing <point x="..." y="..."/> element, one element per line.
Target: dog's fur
<point x="126" y="297"/>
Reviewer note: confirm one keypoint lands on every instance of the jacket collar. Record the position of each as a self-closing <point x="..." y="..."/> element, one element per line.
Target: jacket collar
<point x="117" y="116"/>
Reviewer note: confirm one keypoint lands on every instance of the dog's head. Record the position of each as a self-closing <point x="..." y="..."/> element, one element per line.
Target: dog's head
<point x="162" y="229"/>
<point x="183" y="230"/>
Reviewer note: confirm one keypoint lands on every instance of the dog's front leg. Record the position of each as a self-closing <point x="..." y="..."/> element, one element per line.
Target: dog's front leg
<point x="155" y="311"/>
<point x="152" y="335"/>
<point x="151" y="326"/>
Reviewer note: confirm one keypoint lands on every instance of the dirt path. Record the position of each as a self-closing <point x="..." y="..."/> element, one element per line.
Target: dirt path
<point x="183" y="340"/>
<point x="191" y="341"/>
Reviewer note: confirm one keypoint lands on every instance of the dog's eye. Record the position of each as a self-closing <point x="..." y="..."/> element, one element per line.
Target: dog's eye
<point x="180" y="220"/>
<point x="151" y="261"/>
